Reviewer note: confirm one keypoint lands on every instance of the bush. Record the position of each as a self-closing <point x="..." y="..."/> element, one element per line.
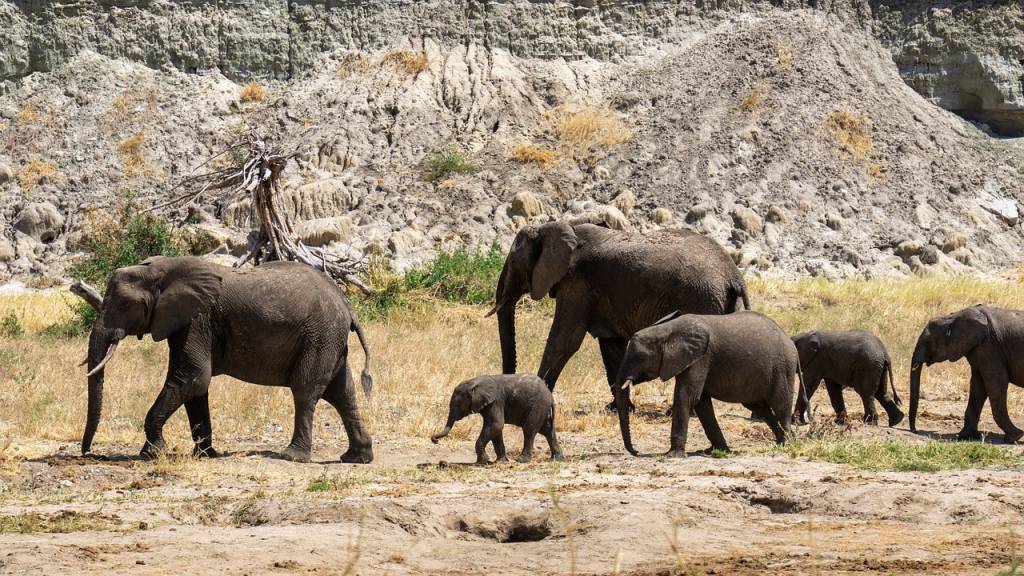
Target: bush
<point x="443" y="164"/>
<point x="83" y="316"/>
<point x="10" y="326"/>
<point x="252" y="92"/>
<point x="460" y="276"/>
<point x="408" y="61"/>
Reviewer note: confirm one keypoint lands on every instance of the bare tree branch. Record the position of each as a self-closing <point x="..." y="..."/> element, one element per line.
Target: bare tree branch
<point x="88" y="293"/>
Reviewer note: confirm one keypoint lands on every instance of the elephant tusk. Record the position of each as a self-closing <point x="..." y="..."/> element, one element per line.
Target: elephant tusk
<point x="627" y="384"/>
<point x="493" y="310"/>
<point x="110" y="353"/>
<point x="84" y="361"/>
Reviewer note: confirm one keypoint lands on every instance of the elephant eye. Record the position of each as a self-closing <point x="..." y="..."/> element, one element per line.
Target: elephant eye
<point x="949" y="332"/>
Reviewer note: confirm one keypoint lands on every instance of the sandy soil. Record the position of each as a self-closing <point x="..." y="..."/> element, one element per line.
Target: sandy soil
<point x="418" y="509"/>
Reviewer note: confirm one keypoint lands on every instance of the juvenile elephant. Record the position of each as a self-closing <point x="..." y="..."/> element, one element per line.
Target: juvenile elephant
<point x="992" y="339"/>
<point x="743" y="357"/>
<point x="610" y="284"/>
<point x="280" y="324"/>
<point x="849" y="358"/>
<point x="519" y="399"/>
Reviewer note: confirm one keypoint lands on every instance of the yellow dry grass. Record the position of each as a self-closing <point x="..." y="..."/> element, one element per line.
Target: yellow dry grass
<point x="28" y="114"/>
<point x="752" y="100"/>
<point x="34" y="171"/>
<point x="785" y="56"/>
<point x="352" y="64"/>
<point x="589" y="133"/>
<point x="852" y="132"/>
<point x="529" y="154"/>
<point x="423" y="351"/>
<point x="252" y="92"/>
<point x="133" y="161"/>
<point x="408" y="61"/>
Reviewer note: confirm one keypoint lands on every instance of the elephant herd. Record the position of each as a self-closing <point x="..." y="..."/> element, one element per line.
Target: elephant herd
<point x="666" y="305"/>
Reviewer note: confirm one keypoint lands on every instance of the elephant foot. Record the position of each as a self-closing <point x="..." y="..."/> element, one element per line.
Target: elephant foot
<point x="755" y="417"/>
<point x="483" y="462"/>
<point x="358" y="456"/>
<point x="968" y="435"/>
<point x="871" y="419"/>
<point x="716" y="451"/>
<point x="841" y="418"/>
<point x="1013" y="437"/>
<point x="204" y="452"/>
<point x="293" y="454"/>
<point x="524" y="458"/>
<point x="558" y="457"/>
<point x="151" y="451"/>
<point x="502" y="458"/>
<point x="895" y="419"/>
<point x="675" y="454"/>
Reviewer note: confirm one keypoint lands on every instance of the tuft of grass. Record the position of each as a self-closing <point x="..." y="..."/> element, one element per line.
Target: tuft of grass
<point x="408" y="61"/>
<point x="335" y="484"/>
<point x="1013" y="570"/>
<point x="129" y="151"/>
<point x="892" y="456"/>
<point x="852" y="133"/>
<point x="460" y="276"/>
<point x="785" y="56"/>
<point x="252" y="92"/>
<point x="62" y="522"/>
<point x="34" y="172"/>
<point x="527" y="154"/>
<point x="446" y="163"/>
<point x="352" y="64"/>
<point x="590" y="133"/>
<point x="28" y="114"/>
<point x="752" y="100"/>
<point x="10" y="326"/>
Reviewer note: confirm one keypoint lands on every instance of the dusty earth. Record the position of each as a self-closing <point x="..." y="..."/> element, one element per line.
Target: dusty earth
<point x="420" y="509"/>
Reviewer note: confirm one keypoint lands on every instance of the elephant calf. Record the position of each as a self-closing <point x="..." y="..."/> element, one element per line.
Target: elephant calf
<point x="520" y="399"/>
<point x="850" y="358"/>
<point x="742" y="357"/>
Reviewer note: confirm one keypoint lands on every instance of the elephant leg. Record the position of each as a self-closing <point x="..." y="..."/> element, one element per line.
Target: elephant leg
<point x="548" y="431"/>
<point x="188" y="377"/>
<point x="302" y="431"/>
<point x="498" y="441"/>
<point x="171" y="397"/>
<point x="884" y="396"/>
<point x="567" y="332"/>
<point x="705" y="410"/>
<point x="494" y="422"/>
<point x="975" y="403"/>
<point x="780" y="406"/>
<point x="681" y="406"/>
<point x="773" y="422"/>
<point x="529" y="433"/>
<point x="835" y="396"/>
<point x="612" y="351"/>
<point x="811" y="383"/>
<point x="341" y="393"/>
<point x="198" y="410"/>
<point x="997" y="382"/>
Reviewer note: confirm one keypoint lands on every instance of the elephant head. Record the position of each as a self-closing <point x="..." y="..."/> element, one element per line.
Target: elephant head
<point x="538" y="260"/>
<point x="662" y="351"/>
<point x="469" y="397"/>
<point x="945" y="339"/>
<point x="808" y="344"/>
<point x="159" y="297"/>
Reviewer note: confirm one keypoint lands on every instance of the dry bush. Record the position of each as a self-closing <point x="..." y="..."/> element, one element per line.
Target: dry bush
<point x="407" y="61"/>
<point x="590" y="133"/>
<point x="852" y="132"/>
<point x="785" y="56"/>
<point x="34" y="171"/>
<point x="29" y="114"/>
<point x="352" y="64"/>
<point x="527" y="154"/>
<point x="252" y="92"/>
<point x="752" y="100"/>
<point x="133" y="161"/>
<point x="876" y="172"/>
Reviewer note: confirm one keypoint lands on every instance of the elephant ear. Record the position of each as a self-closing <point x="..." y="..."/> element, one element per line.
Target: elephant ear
<point x="557" y="241"/>
<point x="967" y="330"/>
<point x="481" y="396"/>
<point x="188" y="287"/>
<point x="814" y="342"/>
<point x="681" y="348"/>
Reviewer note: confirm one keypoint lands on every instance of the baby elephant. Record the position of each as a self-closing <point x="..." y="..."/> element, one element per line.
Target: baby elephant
<point x="520" y="399"/>
<point x="851" y="358"/>
<point x="741" y="357"/>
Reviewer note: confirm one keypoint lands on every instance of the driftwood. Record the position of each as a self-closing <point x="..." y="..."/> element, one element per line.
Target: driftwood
<point x="88" y="293"/>
<point x="260" y="178"/>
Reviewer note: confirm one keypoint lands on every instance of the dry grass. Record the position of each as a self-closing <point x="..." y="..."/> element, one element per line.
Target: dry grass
<point x="408" y="61"/>
<point x="29" y="114"/>
<point x="852" y="132"/>
<point x="589" y="133"/>
<point x="785" y="56"/>
<point x="424" y="350"/>
<point x="252" y="92"/>
<point x="133" y="160"/>
<point x="528" y="154"/>
<point x="35" y="171"/>
<point x="352" y="64"/>
<point x="752" y="101"/>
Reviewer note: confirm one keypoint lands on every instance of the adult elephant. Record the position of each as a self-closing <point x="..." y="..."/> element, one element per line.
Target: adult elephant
<point x="610" y="284"/>
<point x="992" y="339"/>
<point x="280" y="324"/>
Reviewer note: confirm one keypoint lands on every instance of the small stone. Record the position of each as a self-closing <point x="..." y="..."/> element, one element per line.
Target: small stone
<point x="697" y="213"/>
<point x="909" y="248"/>
<point x="930" y="255"/>
<point x="323" y="231"/>
<point x="661" y="216"/>
<point x="404" y="242"/>
<point x="747" y="220"/>
<point x="6" y="173"/>
<point x="925" y="215"/>
<point x="772" y="235"/>
<point x="1004" y="208"/>
<point x="527" y="205"/>
<point x="777" y="214"/>
<point x="834" y="221"/>
<point x="963" y="256"/>
<point x="615" y="219"/>
<point x="7" y="252"/>
<point x="949" y="240"/>
<point x="625" y="202"/>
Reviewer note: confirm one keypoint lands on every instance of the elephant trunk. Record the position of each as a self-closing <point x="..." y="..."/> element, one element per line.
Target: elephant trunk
<point x="507" y="296"/>
<point x="916" y="365"/>
<point x="622" y="406"/>
<point x="102" y="343"/>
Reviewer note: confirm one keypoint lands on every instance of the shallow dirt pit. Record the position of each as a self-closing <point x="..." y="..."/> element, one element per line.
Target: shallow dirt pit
<point x="418" y="509"/>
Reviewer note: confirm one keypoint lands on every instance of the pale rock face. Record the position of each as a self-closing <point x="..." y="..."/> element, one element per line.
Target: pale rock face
<point x="625" y="202"/>
<point x="323" y="231"/>
<point x="661" y="216"/>
<point x="41" y="221"/>
<point x="747" y="220"/>
<point x="7" y="252"/>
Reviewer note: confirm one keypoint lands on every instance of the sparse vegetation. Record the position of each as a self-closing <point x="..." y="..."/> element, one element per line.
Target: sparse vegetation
<point x="447" y="163"/>
<point x="590" y="133"/>
<point x="409" y="62"/>
<point x="460" y="276"/>
<point x="752" y="100"/>
<point x="10" y="326"/>
<point x="529" y="154"/>
<point x="29" y="114"/>
<point x="785" y="56"/>
<point x="352" y="64"/>
<point x="133" y="161"/>
<point x="852" y="132"/>
<point x="61" y="522"/>
<point x="252" y="92"/>
<point x="336" y="483"/>
<point x="897" y="456"/>
<point x="35" y="171"/>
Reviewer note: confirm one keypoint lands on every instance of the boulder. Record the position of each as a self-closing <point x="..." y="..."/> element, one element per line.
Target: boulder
<point x="834" y="221"/>
<point x="949" y="240"/>
<point x="1004" y="208"/>
<point x="697" y="213"/>
<point x="747" y="220"/>
<point x="7" y="252"/>
<point x="777" y="214"/>
<point x="323" y="231"/>
<point x="6" y="173"/>
<point x="661" y="216"/>
<point x="625" y="202"/>
<point x="909" y="248"/>
<point x="925" y="215"/>
<point x="405" y="242"/>
<point x="320" y="199"/>
<point x="40" y="220"/>
<point x="527" y="205"/>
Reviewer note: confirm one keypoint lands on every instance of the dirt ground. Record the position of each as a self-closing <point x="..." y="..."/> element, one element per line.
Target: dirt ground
<point x="421" y="509"/>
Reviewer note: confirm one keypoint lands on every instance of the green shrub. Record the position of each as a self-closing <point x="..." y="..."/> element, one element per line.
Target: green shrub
<point x="888" y="455"/>
<point x="444" y="164"/>
<point x="460" y="276"/>
<point x="83" y="316"/>
<point x="10" y="326"/>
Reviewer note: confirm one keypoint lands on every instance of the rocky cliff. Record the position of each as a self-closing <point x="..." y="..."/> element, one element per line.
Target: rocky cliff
<point x="808" y="136"/>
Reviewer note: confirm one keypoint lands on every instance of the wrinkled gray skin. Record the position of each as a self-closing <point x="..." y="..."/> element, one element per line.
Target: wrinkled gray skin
<point x="853" y="359"/>
<point x="280" y="324"/>
<point x="609" y="284"/>
<point x="743" y="357"/>
<point x="992" y="340"/>
<point x="519" y="399"/>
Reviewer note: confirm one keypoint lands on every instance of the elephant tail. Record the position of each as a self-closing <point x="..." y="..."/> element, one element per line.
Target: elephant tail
<point x="365" y="378"/>
<point x="803" y="393"/>
<point x="892" y="383"/>
<point x="738" y="293"/>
